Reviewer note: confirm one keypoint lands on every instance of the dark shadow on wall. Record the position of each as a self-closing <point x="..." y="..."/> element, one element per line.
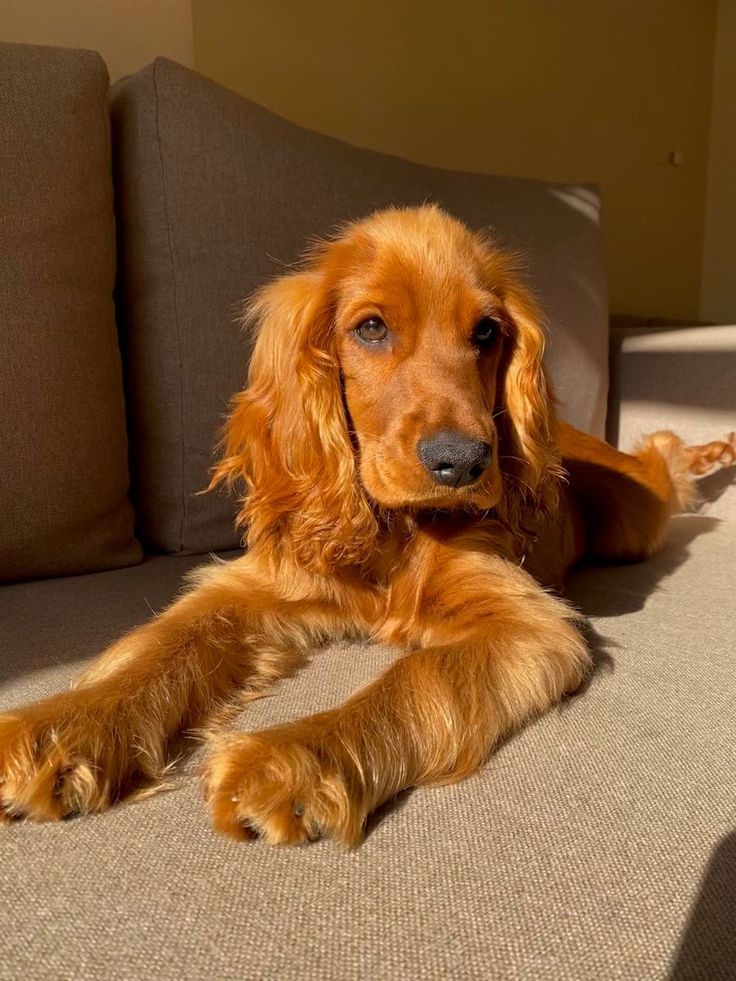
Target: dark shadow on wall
<point x="707" y="950"/>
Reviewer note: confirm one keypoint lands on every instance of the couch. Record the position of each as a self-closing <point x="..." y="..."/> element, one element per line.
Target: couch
<point x="599" y="841"/>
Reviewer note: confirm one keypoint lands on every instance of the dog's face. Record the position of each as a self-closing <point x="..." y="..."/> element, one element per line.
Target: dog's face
<point x="419" y="333"/>
<point x="399" y="368"/>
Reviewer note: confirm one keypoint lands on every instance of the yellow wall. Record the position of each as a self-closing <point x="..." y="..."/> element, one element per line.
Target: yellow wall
<point x="597" y="90"/>
<point x="718" y="297"/>
<point x="128" y="33"/>
<point x="560" y="89"/>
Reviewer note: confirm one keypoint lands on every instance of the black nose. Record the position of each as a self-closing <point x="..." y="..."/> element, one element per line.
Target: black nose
<point x="454" y="459"/>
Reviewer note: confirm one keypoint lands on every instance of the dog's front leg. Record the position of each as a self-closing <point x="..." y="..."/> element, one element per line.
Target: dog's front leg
<point x="496" y="650"/>
<point x="115" y="732"/>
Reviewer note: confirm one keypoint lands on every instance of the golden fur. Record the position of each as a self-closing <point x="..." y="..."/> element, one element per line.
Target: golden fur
<point x="348" y="535"/>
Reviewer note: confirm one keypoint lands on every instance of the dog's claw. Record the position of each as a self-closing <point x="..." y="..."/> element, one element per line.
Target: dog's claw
<point x="9" y="813"/>
<point x="250" y="829"/>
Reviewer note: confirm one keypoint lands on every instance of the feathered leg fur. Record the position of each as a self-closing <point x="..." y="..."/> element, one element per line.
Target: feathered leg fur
<point x="495" y="651"/>
<point x="116" y="731"/>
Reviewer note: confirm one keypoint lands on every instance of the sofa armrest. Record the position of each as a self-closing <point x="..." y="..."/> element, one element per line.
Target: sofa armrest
<point x="681" y="379"/>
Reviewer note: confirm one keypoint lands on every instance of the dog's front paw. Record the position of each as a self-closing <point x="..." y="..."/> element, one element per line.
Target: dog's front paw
<point x="285" y="786"/>
<point x="70" y="754"/>
<point x="45" y="774"/>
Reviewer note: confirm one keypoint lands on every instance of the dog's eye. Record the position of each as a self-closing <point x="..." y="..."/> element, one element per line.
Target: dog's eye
<point x="372" y="331"/>
<point x="485" y="331"/>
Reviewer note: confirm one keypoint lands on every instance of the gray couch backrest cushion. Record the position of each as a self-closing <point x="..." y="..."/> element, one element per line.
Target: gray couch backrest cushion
<point x="63" y="447"/>
<point x="216" y="194"/>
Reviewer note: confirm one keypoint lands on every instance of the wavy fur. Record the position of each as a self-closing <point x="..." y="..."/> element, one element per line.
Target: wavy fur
<point x="350" y="534"/>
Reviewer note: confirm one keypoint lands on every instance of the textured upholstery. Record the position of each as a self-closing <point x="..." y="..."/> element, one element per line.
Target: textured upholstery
<point x="594" y="844"/>
<point x="215" y="195"/>
<point x="63" y="448"/>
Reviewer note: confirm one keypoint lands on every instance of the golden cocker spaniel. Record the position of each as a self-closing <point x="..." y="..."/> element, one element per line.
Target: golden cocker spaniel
<point x="408" y="481"/>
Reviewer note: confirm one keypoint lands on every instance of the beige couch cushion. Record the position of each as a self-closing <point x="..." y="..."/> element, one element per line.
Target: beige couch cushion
<point x="215" y="195"/>
<point x="63" y="448"/>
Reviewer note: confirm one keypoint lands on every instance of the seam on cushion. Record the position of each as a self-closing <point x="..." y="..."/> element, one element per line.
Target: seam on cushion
<point x="120" y="417"/>
<point x="176" y="309"/>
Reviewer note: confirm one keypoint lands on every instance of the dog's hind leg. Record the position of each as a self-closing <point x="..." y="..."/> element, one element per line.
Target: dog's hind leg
<point x="626" y="500"/>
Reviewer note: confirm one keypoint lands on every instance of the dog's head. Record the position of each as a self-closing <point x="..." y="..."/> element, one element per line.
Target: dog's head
<point x="399" y="369"/>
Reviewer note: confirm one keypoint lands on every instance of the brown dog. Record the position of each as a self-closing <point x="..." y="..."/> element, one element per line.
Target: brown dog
<point x="403" y="462"/>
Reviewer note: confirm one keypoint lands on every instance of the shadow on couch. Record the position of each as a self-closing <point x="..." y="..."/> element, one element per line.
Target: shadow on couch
<point x="615" y="589"/>
<point x="708" y="943"/>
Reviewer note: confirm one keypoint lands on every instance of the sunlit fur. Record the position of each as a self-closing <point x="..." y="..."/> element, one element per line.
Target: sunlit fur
<point x="348" y="536"/>
<point x="431" y="280"/>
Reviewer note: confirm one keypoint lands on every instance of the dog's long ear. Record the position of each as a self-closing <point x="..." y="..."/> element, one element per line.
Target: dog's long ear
<point x="287" y="434"/>
<point x="528" y="451"/>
